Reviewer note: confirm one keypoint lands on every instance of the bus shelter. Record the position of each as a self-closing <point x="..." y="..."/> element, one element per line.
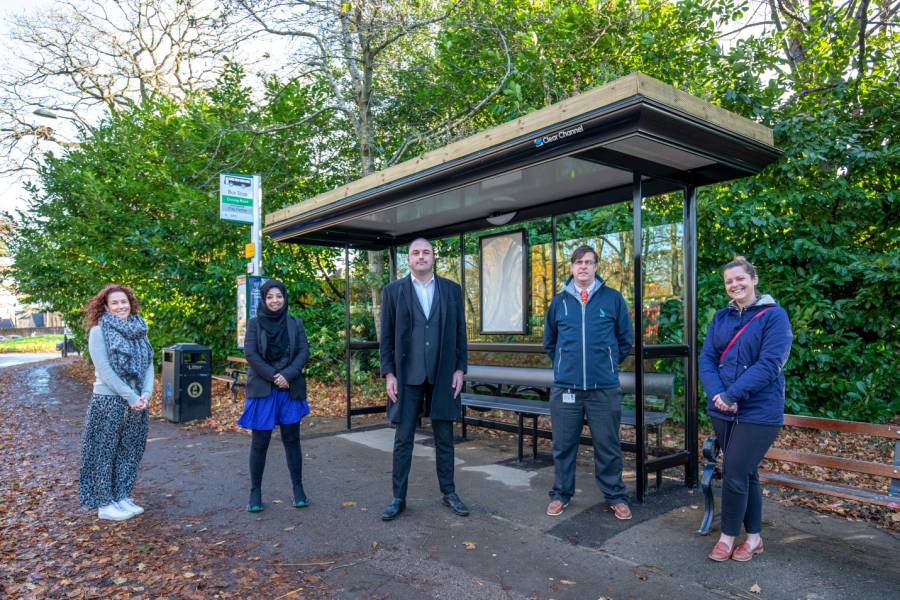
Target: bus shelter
<point x="617" y="167"/>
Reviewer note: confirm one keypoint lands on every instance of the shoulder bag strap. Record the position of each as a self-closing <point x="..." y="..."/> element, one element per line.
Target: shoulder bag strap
<point x="740" y="331"/>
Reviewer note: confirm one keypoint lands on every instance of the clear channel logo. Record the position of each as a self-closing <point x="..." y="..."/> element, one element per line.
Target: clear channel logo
<point x="559" y="135"/>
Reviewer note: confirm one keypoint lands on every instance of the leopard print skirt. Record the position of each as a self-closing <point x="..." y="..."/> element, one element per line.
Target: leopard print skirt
<point x="112" y="446"/>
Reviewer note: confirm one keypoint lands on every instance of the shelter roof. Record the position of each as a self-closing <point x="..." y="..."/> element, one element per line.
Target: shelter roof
<point x="575" y="154"/>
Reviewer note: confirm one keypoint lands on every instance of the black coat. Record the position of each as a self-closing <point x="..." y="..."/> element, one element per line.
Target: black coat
<point x="397" y="300"/>
<point x="260" y="374"/>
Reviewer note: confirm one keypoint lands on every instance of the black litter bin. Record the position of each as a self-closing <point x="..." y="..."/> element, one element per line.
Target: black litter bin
<point x="186" y="382"/>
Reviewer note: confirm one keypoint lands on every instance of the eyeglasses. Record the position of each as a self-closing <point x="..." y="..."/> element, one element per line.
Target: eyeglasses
<point x="585" y="263"/>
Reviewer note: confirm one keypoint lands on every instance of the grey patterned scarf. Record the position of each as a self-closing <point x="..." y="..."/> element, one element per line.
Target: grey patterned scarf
<point x="127" y="347"/>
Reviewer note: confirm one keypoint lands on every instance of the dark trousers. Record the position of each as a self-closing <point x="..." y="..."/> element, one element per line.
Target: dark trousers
<point x="603" y="409"/>
<point x="744" y="445"/>
<point x="413" y="397"/>
<point x="259" y="447"/>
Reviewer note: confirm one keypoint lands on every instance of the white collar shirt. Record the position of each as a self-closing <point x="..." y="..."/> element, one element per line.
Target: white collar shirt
<point x="425" y="293"/>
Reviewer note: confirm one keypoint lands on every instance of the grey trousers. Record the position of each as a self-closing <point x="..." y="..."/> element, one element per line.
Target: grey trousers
<point x="603" y="409"/>
<point x="112" y="447"/>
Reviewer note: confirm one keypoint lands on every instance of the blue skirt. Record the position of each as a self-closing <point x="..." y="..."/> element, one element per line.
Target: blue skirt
<point x="278" y="408"/>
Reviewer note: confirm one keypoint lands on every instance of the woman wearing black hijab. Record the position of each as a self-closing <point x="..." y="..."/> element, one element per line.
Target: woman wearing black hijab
<point x="276" y="351"/>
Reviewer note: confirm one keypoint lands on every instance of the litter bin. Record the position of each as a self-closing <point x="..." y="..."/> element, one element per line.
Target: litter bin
<point x="186" y="382"/>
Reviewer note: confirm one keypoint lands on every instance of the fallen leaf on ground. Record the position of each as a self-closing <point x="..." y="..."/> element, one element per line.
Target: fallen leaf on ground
<point x="755" y="588"/>
<point x="567" y="582"/>
<point x="348" y="503"/>
<point x="470" y="545"/>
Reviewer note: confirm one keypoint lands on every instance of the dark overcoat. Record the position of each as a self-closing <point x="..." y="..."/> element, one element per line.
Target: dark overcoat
<point x="397" y="300"/>
<point x="261" y="374"/>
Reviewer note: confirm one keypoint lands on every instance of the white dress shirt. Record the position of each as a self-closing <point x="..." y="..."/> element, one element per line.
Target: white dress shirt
<point x="425" y="293"/>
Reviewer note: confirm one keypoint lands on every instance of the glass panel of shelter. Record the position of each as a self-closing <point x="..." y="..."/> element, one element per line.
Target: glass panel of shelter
<point x="609" y="230"/>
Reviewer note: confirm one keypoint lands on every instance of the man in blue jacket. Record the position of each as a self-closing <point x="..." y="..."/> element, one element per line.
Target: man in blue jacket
<point x="587" y="335"/>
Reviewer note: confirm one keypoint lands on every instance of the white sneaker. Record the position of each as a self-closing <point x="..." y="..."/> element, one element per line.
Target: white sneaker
<point x="128" y="505"/>
<point x="112" y="512"/>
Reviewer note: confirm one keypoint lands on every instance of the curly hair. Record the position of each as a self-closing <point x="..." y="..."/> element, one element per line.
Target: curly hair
<point x="96" y="306"/>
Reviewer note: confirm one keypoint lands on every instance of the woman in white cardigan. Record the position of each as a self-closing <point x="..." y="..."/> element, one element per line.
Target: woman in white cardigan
<point x="115" y="430"/>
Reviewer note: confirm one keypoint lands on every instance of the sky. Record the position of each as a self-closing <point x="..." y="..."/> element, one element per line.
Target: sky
<point x="11" y="191"/>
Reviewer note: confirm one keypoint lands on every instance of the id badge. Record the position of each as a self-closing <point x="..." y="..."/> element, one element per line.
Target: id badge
<point x="568" y="398"/>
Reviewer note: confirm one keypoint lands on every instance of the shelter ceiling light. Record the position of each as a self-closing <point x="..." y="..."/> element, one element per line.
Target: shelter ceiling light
<point x="501" y="218"/>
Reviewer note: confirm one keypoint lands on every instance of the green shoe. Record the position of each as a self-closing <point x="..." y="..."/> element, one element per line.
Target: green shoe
<point x="300" y="499"/>
<point x="255" y="504"/>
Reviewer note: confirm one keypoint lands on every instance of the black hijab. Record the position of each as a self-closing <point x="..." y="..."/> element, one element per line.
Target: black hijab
<point x="274" y="323"/>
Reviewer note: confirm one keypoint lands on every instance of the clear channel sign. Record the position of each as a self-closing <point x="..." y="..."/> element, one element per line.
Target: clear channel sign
<point x="236" y="195"/>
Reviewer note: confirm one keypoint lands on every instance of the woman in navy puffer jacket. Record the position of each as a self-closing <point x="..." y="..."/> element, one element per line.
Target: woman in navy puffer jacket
<point x="741" y="367"/>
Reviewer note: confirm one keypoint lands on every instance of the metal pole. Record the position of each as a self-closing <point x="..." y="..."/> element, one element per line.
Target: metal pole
<point x="347" y="327"/>
<point x="256" y="228"/>
<point x="392" y="262"/>
<point x="553" y="254"/>
<point x="691" y="472"/>
<point x="636" y="254"/>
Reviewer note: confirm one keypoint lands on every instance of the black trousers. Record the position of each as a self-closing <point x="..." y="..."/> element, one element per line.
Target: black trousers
<point x="744" y="446"/>
<point x="413" y="398"/>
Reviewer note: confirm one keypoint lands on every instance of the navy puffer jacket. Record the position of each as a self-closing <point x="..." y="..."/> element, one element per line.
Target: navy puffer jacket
<point x="751" y="374"/>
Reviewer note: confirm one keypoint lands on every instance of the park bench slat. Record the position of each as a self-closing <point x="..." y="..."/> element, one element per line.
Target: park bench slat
<point x="869" y="495"/>
<point x="830" y="489"/>
<point x="834" y="462"/>
<point x="886" y="431"/>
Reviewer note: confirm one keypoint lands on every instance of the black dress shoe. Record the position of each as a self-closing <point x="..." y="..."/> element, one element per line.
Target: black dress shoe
<point x="397" y="506"/>
<point x="456" y="505"/>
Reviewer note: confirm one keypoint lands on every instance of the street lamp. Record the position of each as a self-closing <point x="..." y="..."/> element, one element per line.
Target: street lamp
<point x="46" y="113"/>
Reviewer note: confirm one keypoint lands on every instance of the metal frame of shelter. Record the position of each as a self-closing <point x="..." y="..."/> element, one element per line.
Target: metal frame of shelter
<point x="630" y="139"/>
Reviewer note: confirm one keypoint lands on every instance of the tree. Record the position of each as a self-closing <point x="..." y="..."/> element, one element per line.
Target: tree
<point x="82" y="59"/>
<point x="360" y="49"/>
<point x="136" y="202"/>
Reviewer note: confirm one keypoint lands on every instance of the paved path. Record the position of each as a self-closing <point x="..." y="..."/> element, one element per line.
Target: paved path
<point x="507" y="548"/>
<point x="17" y="358"/>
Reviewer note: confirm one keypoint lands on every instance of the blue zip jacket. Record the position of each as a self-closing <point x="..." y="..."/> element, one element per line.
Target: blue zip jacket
<point x="587" y="343"/>
<point x="751" y="374"/>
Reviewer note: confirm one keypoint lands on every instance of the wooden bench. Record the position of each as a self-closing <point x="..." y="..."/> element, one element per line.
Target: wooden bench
<point x="235" y="375"/>
<point x="505" y="386"/>
<point x="712" y="470"/>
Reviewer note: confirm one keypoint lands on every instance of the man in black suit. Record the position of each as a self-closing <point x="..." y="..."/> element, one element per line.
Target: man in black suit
<point x="423" y="359"/>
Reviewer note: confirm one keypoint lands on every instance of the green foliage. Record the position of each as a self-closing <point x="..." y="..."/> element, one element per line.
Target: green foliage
<point x="137" y="203"/>
<point x="37" y="343"/>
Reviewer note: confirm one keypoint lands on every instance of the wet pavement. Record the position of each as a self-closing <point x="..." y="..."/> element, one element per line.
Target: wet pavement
<point x="507" y="548"/>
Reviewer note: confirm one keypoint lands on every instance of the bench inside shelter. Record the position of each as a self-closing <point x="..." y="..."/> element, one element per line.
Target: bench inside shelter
<point x="525" y="391"/>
